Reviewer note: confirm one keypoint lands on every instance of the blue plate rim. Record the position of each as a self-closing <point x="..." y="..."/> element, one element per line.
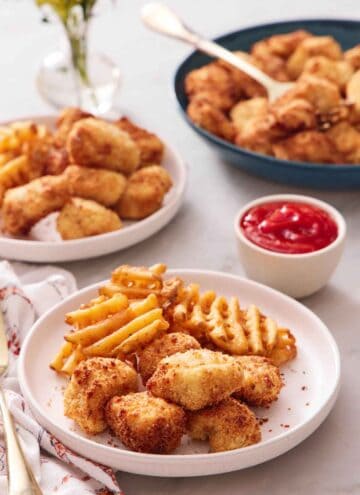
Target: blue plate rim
<point x="319" y="167"/>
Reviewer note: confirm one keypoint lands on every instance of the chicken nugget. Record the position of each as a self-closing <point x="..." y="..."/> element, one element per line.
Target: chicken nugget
<point x="259" y="134"/>
<point x="83" y="218"/>
<point x="347" y="141"/>
<point x="261" y="383"/>
<point x="103" y="186"/>
<point x="150" y="145"/>
<point x="96" y="143"/>
<point x="213" y="120"/>
<point x="94" y="382"/>
<point x="162" y="347"/>
<point x="67" y="118"/>
<point x="24" y="206"/>
<point x="295" y="115"/>
<point x="353" y="57"/>
<point x="336" y="71"/>
<point x="308" y="146"/>
<point x="146" y="424"/>
<point x="309" y="47"/>
<point x="282" y="45"/>
<point x="248" y="110"/>
<point x="144" y="193"/>
<point x="196" y="378"/>
<point x="228" y="425"/>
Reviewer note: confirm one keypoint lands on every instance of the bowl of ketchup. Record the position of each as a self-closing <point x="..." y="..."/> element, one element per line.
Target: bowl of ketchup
<point x="290" y="242"/>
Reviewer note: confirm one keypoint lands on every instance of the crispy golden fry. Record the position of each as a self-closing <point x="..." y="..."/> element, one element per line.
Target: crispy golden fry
<point x="99" y="144"/>
<point x="23" y="206"/>
<point x="93" y="383"/>
<point x="310" y="47"/>
<point x="141" y="338"/>
<point x="17" y="136"/>
<point x="83" y="218"/>
<point x="308" y="146"/>
<point x="16" y="172"/>
<point x="71" y="362"/>
<point x="164" y="346"/>
<point x="210" y="118"/>
<point x="284" y="349"/>
<point x="158" y="429"/>
<point x="97" y="311"/>
<point x="249" y="110"/>
<point x="262" y="381"/>
<point x="336" y="71"/>
<point x="144" y="193"/>
<point x="59" y="360"/>
<point x="151" y="147"/>
<point x="6" y="156"/>
<point x="95" y="333"/>
<point x="137" y="282"/>
<point x="195" y="379"/>
<point x="347" y="141"/>
<point x="103" y="186"/>
<point x="227" y="425"/>
<point x="282" y="45"/>
<point x="295" y="115"/>
<point x="353" y="57"/>
<point x="213" y="319"/>
<point x="66" y="120"/>
<point x="108" y="346"/>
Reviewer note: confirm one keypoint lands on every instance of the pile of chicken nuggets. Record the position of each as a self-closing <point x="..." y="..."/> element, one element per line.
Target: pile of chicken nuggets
<point x="203" y="362"/>
<point x="317" y="120"/>
<point x="93" y="172"/>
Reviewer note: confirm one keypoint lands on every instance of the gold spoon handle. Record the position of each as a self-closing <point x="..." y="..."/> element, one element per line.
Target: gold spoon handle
<point x="20" y="477"/>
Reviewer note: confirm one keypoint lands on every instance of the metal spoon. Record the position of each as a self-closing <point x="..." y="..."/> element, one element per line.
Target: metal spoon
<point x="160" y="18"/>
<point x="20" y="477"/>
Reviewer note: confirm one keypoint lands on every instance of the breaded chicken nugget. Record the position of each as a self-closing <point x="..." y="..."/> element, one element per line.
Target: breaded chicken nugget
<point x="309" y="47"/>
<point x="282" y="45"/>
<point x="103" y="186"/>
<point x="336" y="71"/>
<point x="65" y="121"/>
<point x="308" y="146"/>
<point x="228" y="425"/>
<point x="144" y="193"/>
<point x="162" y="347"/>
<point x="247" y="110"/>
<point x="48" y="158"/>
<point x="295" y="115"/>
<point x="83" y="217"/>
<point x="145" y="423"/>
<point x="347" y="141"/>
<point x="25" y="205"/>
<point x="151" y="147"/>
<point x="96" y="143"/>
<point x="353" y="57"/>
<point x="213" y="120"/>
<point x="92" y="385"/>
<point x="261" y="383"/>
<point x="197" y="378"/>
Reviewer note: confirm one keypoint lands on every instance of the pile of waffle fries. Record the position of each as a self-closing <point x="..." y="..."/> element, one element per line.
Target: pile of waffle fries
<point x="138" y="305"/>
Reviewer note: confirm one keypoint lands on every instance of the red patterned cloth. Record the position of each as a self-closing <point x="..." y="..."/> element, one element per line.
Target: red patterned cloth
<point x="24" y="296"/>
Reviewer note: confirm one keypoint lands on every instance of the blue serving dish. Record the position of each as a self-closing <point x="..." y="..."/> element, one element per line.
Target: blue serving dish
<point x="312" y="175"/>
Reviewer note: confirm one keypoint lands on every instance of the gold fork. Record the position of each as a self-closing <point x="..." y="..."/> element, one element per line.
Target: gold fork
<point x="21" y="480"/>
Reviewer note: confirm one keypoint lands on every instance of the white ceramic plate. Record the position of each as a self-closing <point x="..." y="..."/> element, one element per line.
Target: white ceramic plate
<point x="312" y="382"/>
<point x="44" y="245"/>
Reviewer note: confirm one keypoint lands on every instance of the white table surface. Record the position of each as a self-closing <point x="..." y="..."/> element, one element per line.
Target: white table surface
<point x="201" y="235"/>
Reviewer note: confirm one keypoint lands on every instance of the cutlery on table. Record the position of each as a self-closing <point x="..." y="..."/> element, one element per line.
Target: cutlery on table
<point x="160" y="18"/>
<point x="21" y="480"/>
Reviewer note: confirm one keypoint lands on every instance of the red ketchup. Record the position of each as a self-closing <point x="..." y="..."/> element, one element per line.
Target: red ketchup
<point x="289" y="227"/>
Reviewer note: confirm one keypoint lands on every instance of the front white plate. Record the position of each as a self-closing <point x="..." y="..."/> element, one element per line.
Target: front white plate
<point x="43" y="245"/>
<point x="312" y="382"/>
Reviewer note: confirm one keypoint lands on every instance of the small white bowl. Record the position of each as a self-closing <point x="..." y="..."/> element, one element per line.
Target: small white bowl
<point x="298" y="275"/>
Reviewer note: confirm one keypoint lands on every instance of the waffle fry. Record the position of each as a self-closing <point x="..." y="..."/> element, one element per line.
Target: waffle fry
<point x="135" y="282"/>
<point x="213" y="320"/>
<point x="16" y="172"/>
<point x="18" y="135"/>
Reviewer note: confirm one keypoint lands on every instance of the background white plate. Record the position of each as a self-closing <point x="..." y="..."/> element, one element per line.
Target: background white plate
<point x="52" y="249"/>
<point x="312" y="383"/>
